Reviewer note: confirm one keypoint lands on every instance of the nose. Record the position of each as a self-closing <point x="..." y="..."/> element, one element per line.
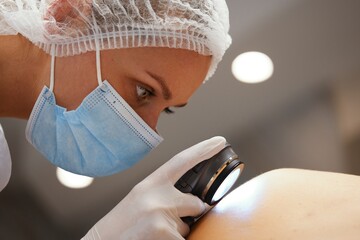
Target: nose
<point x="151" y="118"/>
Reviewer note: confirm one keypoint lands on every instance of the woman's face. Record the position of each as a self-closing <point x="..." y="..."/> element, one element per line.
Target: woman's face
<point x="151" y="80"/>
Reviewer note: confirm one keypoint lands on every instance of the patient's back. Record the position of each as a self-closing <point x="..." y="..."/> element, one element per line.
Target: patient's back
<point x="287" y="204"/>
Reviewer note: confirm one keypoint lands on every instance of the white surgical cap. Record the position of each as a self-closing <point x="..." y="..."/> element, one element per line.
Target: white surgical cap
<point x="73" y="26"/>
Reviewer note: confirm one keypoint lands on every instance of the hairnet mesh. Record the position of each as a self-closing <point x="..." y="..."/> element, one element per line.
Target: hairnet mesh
<point x="73" y="26"/>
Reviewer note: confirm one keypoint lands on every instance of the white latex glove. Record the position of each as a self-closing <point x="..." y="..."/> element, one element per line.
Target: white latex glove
<point x="153" y="208"/>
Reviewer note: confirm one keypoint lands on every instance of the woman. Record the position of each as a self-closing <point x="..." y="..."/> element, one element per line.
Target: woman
<point x="92" y="78"/>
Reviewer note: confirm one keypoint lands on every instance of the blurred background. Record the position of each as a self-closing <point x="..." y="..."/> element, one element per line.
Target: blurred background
<point x="307" y="115"/>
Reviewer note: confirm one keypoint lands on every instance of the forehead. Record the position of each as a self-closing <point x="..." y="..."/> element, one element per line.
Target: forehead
<point x="182" y="69"/>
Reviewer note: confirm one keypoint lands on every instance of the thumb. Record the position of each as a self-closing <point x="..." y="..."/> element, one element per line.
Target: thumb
<point x="187" y="159"/>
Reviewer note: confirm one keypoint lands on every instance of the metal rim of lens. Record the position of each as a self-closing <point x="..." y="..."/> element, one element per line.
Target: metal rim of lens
<point x="219" y="172"/>
<point x="227" y="184"/>
<point x="213" y="178"/>
<point x="236" y="164"/>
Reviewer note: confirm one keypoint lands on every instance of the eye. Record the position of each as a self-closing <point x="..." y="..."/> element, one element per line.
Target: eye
<point x="143" y="93"/>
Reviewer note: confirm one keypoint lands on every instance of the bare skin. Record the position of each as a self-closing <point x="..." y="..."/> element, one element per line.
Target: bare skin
<point x="286" y="204"/>
<point x="25" y="69"/>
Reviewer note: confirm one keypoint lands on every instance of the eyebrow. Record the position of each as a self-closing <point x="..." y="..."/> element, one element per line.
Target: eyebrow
<point x="167" y="94"/>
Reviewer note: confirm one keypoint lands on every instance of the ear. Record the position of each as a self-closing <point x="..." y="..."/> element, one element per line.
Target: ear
<point x="66" y="16"/>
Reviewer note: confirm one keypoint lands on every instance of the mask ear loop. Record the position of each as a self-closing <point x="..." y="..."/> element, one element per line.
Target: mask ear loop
<point x="97" y="53"/>
<point x="98" y="64"/>
<point x="52" y="68"/>
<point x="52" y="65"/>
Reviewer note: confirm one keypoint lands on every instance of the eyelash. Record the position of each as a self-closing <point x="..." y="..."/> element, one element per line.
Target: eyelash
<point x="168" y="111"/>
<point x="150" y="93"/>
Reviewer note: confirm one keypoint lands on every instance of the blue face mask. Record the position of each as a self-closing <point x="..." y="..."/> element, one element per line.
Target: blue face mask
<point x="102" y="136"/>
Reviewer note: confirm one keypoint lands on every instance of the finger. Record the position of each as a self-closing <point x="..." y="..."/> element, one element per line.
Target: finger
<point x="173" y="235"/>
<point x="168" y="227"/>
<point x="182" y="228"/>
<point x="207" y="208"/>
<point x="190" y="205"/>
<point x="187" y="159"/>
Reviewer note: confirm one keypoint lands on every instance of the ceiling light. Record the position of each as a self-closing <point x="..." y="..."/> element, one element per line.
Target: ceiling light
<point x="252" y="67"/>
<point x="72" y="180"/>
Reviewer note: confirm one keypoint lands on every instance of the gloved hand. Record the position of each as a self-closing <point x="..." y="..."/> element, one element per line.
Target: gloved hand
<point x="153" y="208"/>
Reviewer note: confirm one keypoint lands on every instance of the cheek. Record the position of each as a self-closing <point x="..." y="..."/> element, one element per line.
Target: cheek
<point x="150" y="114"/>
